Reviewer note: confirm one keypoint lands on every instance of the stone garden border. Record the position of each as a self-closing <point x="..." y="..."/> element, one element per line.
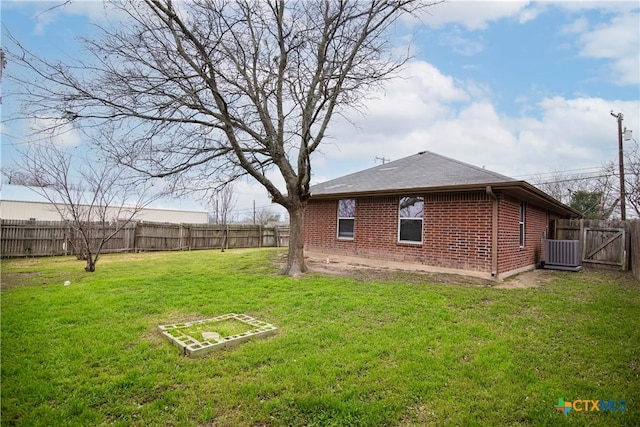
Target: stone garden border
<point x="193" y="347"/>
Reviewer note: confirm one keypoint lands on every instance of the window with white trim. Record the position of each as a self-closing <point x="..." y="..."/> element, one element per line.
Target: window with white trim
<point x="523" y="211"/>
<point x="411" y="211"/>
<point x="346" y="218"/>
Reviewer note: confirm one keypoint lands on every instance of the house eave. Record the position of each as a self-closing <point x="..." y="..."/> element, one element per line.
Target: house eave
<point x="519" y="189"/>
<point x="527" y="192"/>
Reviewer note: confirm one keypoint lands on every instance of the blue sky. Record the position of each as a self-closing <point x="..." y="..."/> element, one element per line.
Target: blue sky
<point x="521" y="88"/>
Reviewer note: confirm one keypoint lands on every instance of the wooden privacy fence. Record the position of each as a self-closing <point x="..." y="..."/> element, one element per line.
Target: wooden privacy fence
<point x="634" y="228"/>
<point x="605" y="243"/>
<point x="47" y="238"/>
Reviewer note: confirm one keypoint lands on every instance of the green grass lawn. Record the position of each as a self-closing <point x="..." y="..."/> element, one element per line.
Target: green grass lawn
<point x="371" y="352"/>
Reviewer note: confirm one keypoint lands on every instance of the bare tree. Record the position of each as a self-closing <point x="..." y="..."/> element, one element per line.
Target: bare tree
<point x="92" y="196"/>
<point x="223" y="203"/>
<point x="209" y="91"/>
<point x="264" y="216"/>
<point x="606" y="182"/>
<point x="3" y="64"/>
<point x="565" y="187"/>
<point x="557" y="184"/>
<point x="15" y="176"/>
<point x="631" y="177"/>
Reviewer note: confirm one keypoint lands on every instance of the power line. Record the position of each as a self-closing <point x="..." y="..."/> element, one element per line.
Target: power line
<point x="573" y="179"/>
<point x="583" y="178"/>
<point x="594" y="168"/>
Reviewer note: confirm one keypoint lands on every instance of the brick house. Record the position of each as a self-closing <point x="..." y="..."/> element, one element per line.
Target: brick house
<point x="435" y="211"/>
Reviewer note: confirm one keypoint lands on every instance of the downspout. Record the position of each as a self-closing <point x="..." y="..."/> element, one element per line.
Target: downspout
<point x="494" y="232"/>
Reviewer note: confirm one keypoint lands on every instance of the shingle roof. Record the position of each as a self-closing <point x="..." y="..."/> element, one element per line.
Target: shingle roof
<point x="423" y="170"/>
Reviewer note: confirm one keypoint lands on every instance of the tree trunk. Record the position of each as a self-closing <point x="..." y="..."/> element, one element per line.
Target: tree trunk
<point x="91" y="264"/>
<point x="295" y="261"/>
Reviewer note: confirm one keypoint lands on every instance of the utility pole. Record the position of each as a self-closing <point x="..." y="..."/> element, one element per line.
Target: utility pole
<point x="623" y="213"/>
<point x="383" y="159"/>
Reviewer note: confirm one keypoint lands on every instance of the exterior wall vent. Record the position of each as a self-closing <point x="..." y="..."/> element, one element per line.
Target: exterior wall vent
<point x="562" y="255"/>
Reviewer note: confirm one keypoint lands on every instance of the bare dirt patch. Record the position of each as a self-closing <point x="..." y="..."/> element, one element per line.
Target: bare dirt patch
<point x="372" y="270"/>
<point x="367" y="270"/>
<point x="14" y="280"/>
<point x="529" y="279"/>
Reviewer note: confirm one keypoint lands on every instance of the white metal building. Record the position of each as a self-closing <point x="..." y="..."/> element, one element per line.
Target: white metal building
<point x="11" y="207"/>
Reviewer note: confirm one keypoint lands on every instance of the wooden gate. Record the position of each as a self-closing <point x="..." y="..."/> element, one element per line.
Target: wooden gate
<point x="604" y="246"/>
<point x="603" y="243"/>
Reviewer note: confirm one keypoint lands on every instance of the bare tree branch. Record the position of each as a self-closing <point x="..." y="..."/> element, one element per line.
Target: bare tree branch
<point x="264" y="216"/>
<point x="223" y="203"/>
<point x="94" y="197"/>
<point x="208" y="91"/>
<point x="565" y="188"/>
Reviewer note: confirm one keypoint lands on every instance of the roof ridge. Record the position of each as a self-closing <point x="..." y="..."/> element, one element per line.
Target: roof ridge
<point x="419" y="153"/>
<point x="423" y="169"/>
<point x="478" y="168"/>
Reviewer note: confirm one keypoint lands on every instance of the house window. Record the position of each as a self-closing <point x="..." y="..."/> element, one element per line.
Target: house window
<point x="523" y="210"/>
<point x="346" y="218"/>
<point x="410" y="219"/>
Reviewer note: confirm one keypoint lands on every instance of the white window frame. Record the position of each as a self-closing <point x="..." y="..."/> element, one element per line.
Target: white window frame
<point x="522" y="224"/>
<point x="352" y="218"/>
<point x="420" y="218"/>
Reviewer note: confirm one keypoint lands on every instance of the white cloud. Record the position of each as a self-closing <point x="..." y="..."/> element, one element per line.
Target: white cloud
<point x="477" y="15"/>
<point x="586" y="5"/>
<point x="46" y="13"/>
<point x="460" y="44"/>
<point x="579" y="131"/>
<point x="428" y="110"/>
<point x="619" y="41"/>
<point x="474" y="15"/>
<point x="578" y="26"/>
<point x="52" y="131"/>
<point x="558" y="133"/>
<point x="421" y="95"/>
<point x="477" y="135"/>
<point x="530" y="13"/>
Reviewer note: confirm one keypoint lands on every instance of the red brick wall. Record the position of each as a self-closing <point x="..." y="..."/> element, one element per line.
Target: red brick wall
<point x="456" y="230"/>
<point x="510" y="255"/>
